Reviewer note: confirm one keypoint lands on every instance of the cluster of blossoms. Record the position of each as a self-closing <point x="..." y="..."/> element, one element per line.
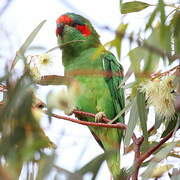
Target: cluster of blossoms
<point x="160" y="94"/>
<point x="37" y="63"/>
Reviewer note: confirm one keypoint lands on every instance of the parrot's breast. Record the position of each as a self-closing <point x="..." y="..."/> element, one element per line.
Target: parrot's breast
<point x="94" y="95"/>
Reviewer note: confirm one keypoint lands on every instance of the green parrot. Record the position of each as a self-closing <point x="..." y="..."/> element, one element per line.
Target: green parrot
<point x="96" y="87"/>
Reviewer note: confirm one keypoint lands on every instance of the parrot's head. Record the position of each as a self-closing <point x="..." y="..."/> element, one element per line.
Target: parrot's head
<point x="74" y="28"/>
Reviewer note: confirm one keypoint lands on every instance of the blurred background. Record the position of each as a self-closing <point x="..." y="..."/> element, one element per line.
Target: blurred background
<point x="75" y="144"/>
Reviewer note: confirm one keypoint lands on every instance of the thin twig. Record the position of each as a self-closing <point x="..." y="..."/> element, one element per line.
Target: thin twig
<point x="140" y="158"/>
<point x="64" y="44"/>
<point x="156" y="147"/>
<point x="159" y="75"/>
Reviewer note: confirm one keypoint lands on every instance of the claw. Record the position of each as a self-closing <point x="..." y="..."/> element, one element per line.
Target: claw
<point x="99" y="116"/>
<point x="69" y="112"/>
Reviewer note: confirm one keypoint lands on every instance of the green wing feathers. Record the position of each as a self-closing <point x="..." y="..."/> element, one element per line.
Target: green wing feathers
<point x="114" y="78"/>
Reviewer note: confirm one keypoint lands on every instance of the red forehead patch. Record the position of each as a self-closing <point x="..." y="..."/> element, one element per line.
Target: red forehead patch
<point x="64" y="19"/>
<point x="84" y="29"/>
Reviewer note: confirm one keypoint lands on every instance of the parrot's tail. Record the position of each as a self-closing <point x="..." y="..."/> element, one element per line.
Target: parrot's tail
<point x="113" y="163"/>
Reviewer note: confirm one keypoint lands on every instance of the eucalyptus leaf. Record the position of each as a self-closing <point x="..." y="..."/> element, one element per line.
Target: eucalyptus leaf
<point x="136" y="55"/>
<point x="170" y="125"/>
<point x="160" y="170"/>
<point x="118" y="39"/>
<point x="151" y="19"/>
<point x="133" y="119"/>
<point x="133" y="6"/>
<point x="126" y="77"/>
<point x="142" y="111"/>
<point x="161" y="7"/>
<point x="175" y="24"/>
<point x="45" y="166"/>
<point x="158" y="121"/>
<point x="94" y="165"/>
<point x="26" y="44"/>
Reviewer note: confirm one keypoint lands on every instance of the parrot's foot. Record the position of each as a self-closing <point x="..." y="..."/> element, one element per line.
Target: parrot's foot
<point x="99" y="116"/>
<point x="69" y="112"/>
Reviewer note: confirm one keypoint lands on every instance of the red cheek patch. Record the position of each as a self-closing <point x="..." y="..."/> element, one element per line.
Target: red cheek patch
<point x="64" y="19"/>
<point x="84" y="29"/>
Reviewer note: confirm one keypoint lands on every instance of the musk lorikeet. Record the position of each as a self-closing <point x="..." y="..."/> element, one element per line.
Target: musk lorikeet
<point x="96" y="88"/>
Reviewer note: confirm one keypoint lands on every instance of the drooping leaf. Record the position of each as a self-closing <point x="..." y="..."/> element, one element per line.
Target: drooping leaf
<point x="175" y="24"/>
<point x="133" y="6"/>
<point x="136" y="55"/>
<point x="161" y="7"/>
<point x="159" y="171"/>
<point x="45" y="166"/>
<point x="151" y="19"/>
<point x="94" y="165"/>
<point x="126" y="77"/>
<point x="142" y="112"/>
<point x="158" y="121"/>
<point x="69" y="175"/>
<point x="171" y="125"/>
<point x="118" y="39"/>
<point x="26" y="44"/>
<point x="165" y="35"/>
<point x="133" y="118"/>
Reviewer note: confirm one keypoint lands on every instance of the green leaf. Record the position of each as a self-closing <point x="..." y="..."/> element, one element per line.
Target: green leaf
<point x="126" y="77"/>
<point x="171" y="125"/>
<point x="160" y="170"/>
<point x="164" y="30"/>
<point x="45" y="166"/>
<point x="161" y="7"/>
<point x="133" y="118"/>
<point x="118" y="39"/>
<point x="69" y="175"/>
<point x="26" y="44"/>
<point x="136" y="55"/>
<point x="151" y="19"/>
<point x="151" y="59"/>
<point x="175" y="24"/>
<point x="158" y="121"/>
<point x="142" y="111"/>
<point x="94" y="165"/>
<point x="121" y="1"/>
<point x="134" y="6"/>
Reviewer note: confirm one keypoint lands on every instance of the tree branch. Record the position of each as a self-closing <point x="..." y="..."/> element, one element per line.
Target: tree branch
<point x="156" y="147"/>
<point x="140" y="158"/>
<point x="117" y="125"/>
